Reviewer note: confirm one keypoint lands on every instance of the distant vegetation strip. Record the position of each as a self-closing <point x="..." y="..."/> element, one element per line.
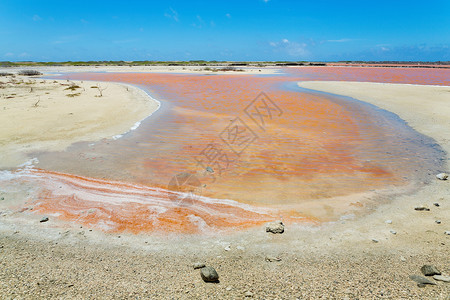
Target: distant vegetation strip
<point x="437" y="64"/>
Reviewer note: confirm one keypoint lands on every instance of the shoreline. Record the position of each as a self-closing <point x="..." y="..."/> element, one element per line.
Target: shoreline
<point x="67" y="112"/>
<point x="397" y="103"/>
<point x="205" y="70"/>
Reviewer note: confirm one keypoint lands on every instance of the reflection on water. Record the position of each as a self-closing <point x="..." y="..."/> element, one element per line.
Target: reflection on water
<point x="321" y="146"/>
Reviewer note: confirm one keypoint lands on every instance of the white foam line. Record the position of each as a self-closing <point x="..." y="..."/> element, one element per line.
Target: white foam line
<point x="135" y="193"/>
<point x="138" y="123"/>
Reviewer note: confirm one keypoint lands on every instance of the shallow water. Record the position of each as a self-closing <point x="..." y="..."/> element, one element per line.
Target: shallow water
<point x="296" y="148"/>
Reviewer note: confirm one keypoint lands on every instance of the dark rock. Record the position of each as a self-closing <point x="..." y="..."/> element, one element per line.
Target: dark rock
<point x="429" y="270"/>
<point x="44" y="219"/>
<point x="421" y="208"/>
<point x="209" y="274"/>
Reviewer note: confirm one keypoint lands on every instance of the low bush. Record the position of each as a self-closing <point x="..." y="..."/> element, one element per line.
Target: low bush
<point x="29" y="73"/>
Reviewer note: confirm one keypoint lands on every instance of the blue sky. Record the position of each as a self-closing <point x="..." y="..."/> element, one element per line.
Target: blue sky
<point x="315" y="30"/>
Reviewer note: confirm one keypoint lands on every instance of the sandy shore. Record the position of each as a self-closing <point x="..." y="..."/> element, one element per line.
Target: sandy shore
<point x="40" y="114"/>
<point x="356" y="258"/>
<point x="150" y="69"/>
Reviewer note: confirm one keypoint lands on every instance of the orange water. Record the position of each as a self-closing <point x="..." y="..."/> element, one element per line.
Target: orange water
<point x="314" y="148"/>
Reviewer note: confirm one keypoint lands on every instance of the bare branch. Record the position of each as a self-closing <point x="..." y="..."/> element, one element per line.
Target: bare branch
<point x="100" y="90"/>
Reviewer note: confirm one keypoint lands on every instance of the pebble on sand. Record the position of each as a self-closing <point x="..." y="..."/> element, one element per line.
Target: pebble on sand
<point x="447" y="232"/>
<point x="272" y="258"/>
<point x="198" y="265"/>
<point x="442" y="176"/>
<point x="421" y="208"/>
<point x="248" y="294"/>
<point x="209" y="274"/>
<point x="44" y="219"/>
<point x="421" y="281"/>
<point x="442" y="278"/>
<point x="430" y="270"/>
<point x="275" y="227"/>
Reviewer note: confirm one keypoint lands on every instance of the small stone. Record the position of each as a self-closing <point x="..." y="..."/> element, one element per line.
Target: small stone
<point x="227" y="248"/>
<point x="447" y="232"/>
<point x="228" y="288"/>
<point x="436" y="204"/>
<point x="198" y="265"/>
<point x="402" y="258"/>
<point x="209" y="169"/>
<point x="438" y="221"/>
<point x="275" y="227"/>
<point x="442" y="278"/>
<point x="2" y="198"/>
<point x="209" y="274"/>
<point x="272" y="258"/>
<point x="429" y="270"/>
<point x="421" y="208"/>
<point x="421" y="281"/>
<point x="393" y="231"/>
<point x="248" y="294"/>
<point x="375" y="240"/>
<point x="442" y="176"/>
<point x="44" y="219"/>
<point x="388" y="221"/>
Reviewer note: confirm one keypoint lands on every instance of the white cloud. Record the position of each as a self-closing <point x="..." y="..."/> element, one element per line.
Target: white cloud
<point x="291" y="48"/>
<point x="228" y="16"/>
<point x="36" y="18"/>
<point x="9" y="54"/>
<point x="173" y="14"/>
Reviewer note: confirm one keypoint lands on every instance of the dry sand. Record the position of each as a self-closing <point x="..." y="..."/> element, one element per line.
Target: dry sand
<point x="331" y="261"/>
<point x="38" y="114"/>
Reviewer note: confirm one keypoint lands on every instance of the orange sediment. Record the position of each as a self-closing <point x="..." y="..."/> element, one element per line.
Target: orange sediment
<point x="117" y="206"/>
